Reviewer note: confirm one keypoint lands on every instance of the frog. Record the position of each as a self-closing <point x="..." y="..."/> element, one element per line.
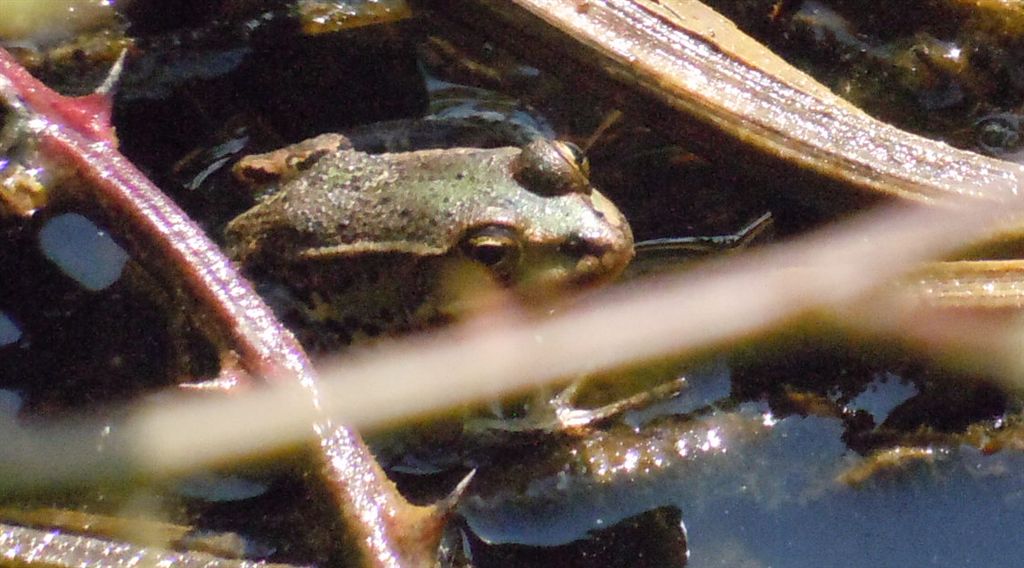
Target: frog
<point x="362" y="245"/>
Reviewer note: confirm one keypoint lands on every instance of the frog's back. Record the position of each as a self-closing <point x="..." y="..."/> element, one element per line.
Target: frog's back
<point x="424" y="199"/>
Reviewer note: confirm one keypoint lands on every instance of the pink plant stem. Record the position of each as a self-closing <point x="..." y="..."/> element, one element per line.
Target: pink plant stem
<point x="72" y="134"/>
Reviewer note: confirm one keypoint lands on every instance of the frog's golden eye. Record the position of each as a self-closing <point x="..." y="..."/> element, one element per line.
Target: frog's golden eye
<point x="496" y="247"/>
<point x="548" y="167"/>
<point x="574" y="155"/>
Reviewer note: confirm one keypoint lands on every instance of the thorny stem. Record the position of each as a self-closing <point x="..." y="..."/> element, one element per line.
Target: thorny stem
<point x="75" y="134"/>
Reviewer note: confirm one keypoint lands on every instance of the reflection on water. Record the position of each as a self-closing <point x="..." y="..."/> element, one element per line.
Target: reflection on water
<point x="82" y="251"/>
<point x="758" y="485"/>
<point x="9" y="331"/>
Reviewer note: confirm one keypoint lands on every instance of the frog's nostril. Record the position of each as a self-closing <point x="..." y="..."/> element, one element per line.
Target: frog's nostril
<point x="589" y="254"/>
<point x="597" y="260"/>
<point x="578" y="247"/>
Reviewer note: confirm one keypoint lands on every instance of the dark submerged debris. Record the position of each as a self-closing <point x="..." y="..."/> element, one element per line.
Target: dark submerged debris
<point x="811" y="404"/>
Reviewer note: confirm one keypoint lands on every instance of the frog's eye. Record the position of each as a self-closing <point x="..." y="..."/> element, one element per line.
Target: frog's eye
<point x="574" y="155"/>
<point x="548" y="167"/>
<point x="496" y="247"/>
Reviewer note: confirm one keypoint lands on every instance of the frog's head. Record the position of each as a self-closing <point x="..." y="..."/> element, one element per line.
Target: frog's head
<point x="560" y="234"/>
<point x="527" y="216"/>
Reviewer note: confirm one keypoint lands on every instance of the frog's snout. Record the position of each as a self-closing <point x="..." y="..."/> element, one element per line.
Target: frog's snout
<point x="597" y="269"/>
<point x="601" y="261"/>
<point x="614" y="253"/>
<point x="600" y="254"/>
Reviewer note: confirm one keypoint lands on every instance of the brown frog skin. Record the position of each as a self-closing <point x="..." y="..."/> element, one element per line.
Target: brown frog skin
<point x="377" y="243"/>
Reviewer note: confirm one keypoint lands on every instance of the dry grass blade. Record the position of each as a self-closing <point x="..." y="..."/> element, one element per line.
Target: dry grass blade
<point x="697" y="78"/>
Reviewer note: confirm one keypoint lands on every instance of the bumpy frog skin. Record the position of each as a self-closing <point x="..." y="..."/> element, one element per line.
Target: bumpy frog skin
<point x="364" y="240"/>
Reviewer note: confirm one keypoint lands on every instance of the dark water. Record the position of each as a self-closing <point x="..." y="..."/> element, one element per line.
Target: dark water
<point x="732" y="473"/>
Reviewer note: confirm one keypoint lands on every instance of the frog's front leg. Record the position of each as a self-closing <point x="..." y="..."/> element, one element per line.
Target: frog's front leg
<point x="545" y="411"/>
